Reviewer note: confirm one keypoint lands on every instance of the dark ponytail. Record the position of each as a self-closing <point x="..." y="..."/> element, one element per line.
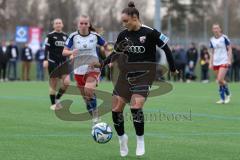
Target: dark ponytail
<point x="131" y="10"/>
<point x="91" y="28"/>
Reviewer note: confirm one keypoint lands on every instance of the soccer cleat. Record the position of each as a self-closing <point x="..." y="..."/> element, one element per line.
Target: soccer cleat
<point x="227" y="100"/>
<point x="205" y="81"/>
<point x="52" y="107"/>
<point x="140" y="150"/>
<point x="220" y="101"/>
<point x="123" y="142"/>
<point x="56" y="106"/>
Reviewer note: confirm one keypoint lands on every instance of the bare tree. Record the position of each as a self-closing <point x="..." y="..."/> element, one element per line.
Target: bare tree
<point x="106" y="14"/>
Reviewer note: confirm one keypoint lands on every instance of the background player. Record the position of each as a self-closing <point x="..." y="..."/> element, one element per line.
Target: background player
<point x="220" y="60"/>
<point x="54" y="45"/>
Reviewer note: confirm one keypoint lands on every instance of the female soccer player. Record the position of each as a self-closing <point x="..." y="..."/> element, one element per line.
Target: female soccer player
<point x="54" y="45"/>
<point x="81" y="48"/>
<point x="142" y="48"/>
<point x="220" y="60"/>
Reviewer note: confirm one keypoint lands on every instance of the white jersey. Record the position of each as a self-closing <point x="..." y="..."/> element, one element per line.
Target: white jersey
<point x="220" y="53"/>
<point x="87" y="46"/>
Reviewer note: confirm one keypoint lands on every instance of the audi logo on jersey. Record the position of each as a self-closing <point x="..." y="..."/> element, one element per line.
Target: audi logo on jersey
<point x="136" y="49"/>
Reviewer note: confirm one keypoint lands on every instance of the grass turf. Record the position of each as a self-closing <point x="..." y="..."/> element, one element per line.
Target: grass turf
<point x="191" y="126"/>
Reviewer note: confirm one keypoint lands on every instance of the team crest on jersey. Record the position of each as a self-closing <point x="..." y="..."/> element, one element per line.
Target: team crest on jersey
<point x="64" y="38"/>
<point x="91" y="41"/>
<point x="142" y="39"/>
<point x="85" y="46"/>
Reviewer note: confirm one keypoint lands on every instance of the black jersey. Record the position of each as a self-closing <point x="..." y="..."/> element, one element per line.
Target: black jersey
<point x="54" y="45"/>
<point x="142" y="44"/>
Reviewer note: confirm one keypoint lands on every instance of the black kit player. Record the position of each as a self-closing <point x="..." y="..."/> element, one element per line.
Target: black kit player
<point x="54" y="45"/>
<point x="139" y="43"/>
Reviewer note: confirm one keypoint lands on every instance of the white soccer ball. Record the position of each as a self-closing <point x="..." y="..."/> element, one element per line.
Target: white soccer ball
<point x="102" y="132"/>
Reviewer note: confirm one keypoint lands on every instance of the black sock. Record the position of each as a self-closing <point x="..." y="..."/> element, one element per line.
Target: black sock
<point x="52" y="98"/>
<point x="138" y="121"/>
<point x="60" y="93"/>
<point x="118" y="121"/>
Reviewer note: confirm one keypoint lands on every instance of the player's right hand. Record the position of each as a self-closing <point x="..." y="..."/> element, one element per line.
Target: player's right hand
<point x="210" y="66"/>
<point x="174" y="73"/>
<point x="45" y="64"/>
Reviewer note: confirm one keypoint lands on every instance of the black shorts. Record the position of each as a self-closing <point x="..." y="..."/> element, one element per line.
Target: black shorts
<point x="57" y="70"/>
<point x="126" y="86"/>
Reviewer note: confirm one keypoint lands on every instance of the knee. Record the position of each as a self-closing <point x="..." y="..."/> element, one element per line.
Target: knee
<point x="118" y="104"/>
<point x="137" y="105"/>
<point x="66" y="82"/>
<point x="52" y="91"/>
<point x="220" y="81"/>
<point x="117" y="109"/>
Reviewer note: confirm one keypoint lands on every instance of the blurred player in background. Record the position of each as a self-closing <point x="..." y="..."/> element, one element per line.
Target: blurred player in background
<point x="192" y="57"/>
<point x="54" y="45"/>
<point x="204" y="63"/>
<point x="220" y="61"/>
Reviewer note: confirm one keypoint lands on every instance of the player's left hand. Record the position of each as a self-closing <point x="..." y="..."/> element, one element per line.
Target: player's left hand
<point x="176" y="72"/>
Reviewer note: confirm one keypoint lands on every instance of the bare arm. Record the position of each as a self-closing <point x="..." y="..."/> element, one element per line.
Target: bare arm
<point x="69" y="53"/>
<point x="211" y="58"/>
<point x="106" y="51"/>
<point x="229" y="49"/>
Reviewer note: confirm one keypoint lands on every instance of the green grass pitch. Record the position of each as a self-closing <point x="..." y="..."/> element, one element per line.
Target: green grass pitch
<point x="191" y="126"/>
